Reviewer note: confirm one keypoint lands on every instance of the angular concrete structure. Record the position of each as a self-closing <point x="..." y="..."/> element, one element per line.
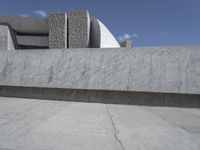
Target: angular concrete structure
<point x="77" y="29"/>
<point x="6" y="40"/>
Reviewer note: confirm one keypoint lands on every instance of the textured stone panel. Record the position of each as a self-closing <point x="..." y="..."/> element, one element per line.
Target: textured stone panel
<point x="6" y="42"/>
<point x="79" y="28"/>
<point x="57" y="30"/>
<point x="154" y="69"/>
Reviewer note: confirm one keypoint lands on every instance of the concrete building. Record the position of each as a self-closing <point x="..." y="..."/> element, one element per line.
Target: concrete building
<point x="75" y="29"/>
<point x="72" y="57"/>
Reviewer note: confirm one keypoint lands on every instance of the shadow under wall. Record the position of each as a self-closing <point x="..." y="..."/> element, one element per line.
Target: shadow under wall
<point x="100" y="96"/>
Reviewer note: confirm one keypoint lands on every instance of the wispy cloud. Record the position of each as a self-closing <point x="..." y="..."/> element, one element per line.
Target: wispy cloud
<point x="127" y="36"/>
<point x="40" y="13"/>
<point x="24" y="15"/>
<point x="162" y="34"/>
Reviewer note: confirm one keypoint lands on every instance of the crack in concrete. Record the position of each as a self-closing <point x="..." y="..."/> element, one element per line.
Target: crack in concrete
<point x="115" y="129"/>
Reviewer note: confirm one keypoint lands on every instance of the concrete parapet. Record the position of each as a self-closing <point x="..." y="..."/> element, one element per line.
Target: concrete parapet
<point x="79" y="29"/>
<point x="57" y="30"/>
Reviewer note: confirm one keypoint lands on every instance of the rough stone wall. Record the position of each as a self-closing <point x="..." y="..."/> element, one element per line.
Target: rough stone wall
<point x="79" y="28"/>
<point x="57" y="30"/>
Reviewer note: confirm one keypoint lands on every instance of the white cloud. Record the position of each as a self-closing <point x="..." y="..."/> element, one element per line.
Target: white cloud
<point x="127" y="36"/>
<point x="40" y="13"/>
<point x="24" y="15"/>
<point x="135" y="35"/>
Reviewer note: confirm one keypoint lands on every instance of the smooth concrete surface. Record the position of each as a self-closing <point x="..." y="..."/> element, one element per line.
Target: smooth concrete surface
<point x="108" y="97"/>
<point x="153" y="69"/>
<point x="57" y="30"/>
<point x="78" y="28"/>
<point x="35" y="124"/>
<point x="37" y="41"/>
<point x="107" y="40"/>
<point x="25" y="25"/>
<point x="6" y="41"/>
<point x="95" y="33"/>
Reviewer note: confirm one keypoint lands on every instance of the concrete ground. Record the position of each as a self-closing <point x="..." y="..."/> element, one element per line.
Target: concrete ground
<point x="29" y="124"/>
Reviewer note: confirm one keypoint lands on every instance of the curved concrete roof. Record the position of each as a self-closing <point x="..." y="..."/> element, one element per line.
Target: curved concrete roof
<point x="107" y="39"/>
<point x="100" y="36"/>
<point x="25" y="25"/>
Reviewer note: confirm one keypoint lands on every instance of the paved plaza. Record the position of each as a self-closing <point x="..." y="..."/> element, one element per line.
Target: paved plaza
<point x="33" y="124"/>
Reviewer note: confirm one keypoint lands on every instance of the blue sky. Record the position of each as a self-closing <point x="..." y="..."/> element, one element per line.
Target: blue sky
<point x="146" y="22"/>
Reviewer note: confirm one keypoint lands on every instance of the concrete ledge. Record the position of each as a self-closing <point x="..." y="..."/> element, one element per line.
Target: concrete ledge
<point x="108" y="97"/>
<point x="40" y="41"/>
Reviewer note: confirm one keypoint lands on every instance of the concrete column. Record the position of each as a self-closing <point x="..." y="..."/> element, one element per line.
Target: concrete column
<point x="6" y="42"/>
<point x="79" y="28"/>
<point x="57" y="30"/>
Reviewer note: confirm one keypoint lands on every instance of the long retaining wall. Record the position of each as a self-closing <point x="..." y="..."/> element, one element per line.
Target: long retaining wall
<point x="147" y="70"/>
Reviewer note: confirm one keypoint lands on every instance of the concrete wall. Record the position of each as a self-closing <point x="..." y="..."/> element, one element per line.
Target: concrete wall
<point x="155" y="69"/>
<point x="6" y="41"/>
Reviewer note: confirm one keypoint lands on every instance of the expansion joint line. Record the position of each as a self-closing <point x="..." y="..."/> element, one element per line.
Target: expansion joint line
<point x="115" y="129"/>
